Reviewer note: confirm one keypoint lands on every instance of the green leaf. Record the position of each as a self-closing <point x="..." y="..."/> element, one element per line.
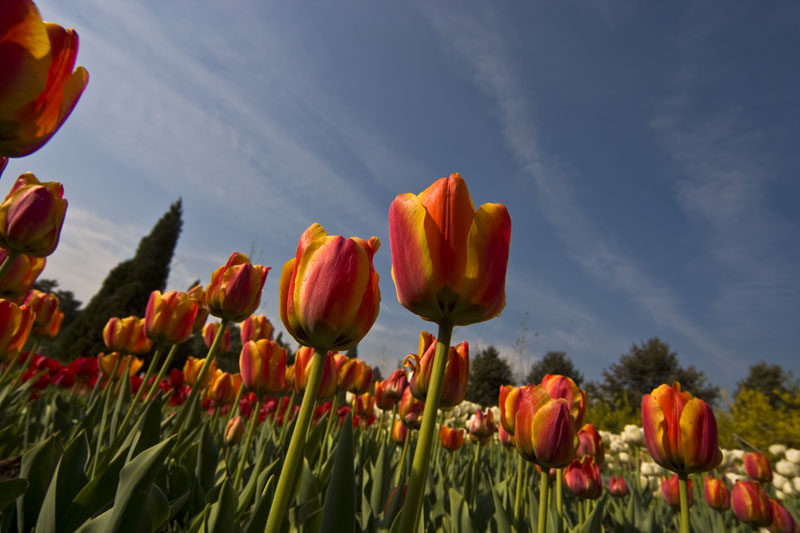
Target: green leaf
<point x="149" y="430"/>
<point x="221" y="517"/>
<point x="206" y="460"/>
<point x="11" y="489"/>
<point x="500" y="516"/>
<point x="594" y="522"/>
<point x="37" y="467"/>
<point x="96" y="495"/>
<point x="258" y="520"/>
<point x="340" y="498"/>
<point x="68" y="480"/>
<point x="380" y="482"/>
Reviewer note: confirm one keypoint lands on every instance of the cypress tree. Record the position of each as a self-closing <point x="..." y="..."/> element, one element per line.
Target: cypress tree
<point x="126" y="289"/>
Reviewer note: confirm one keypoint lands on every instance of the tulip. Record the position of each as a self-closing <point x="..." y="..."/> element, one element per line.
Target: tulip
<point x="482" y="426"/>
<point x="39" y="88"/>
<point x="234" y="431"/>
<point x="48" y="315"/>
<point x="263" y="366"/>
<point x="346" y="369"/>
<point x="757" y="467"/>
<point x="365" y="403"/>
<point x="210" y="333"/>
<point x="20" y="274"/>
<point x="396" y="384"/>
<point x="235" y="288"/>
<point x="456" y="372"/>
<point x="591" y="443"/>
<point x="192" y="368"/>
<point x="362" y="380"/>
<point x="382" y="402"/>
<point x="582" y="478"/>
<point x="559" y="386"/>
<point x="199" y="294"/>
<point x="410" y="410"/>
<point x="31" y="216"/>
<point x="302" y="370"/>
<point x="717" y="494"/>
<point x="399" y="433"/>
<point x="448" y="260"/>
<point x="329" y="294"/>
<point x="16" y="322"/>
<point x="256" y="327"/>
<point x="670" y="491"/>
<point x="617" y="486"/>
<point x="544" y="430"/>
<point x="452" y="438"/>
<point x="224" y="387"/>
<point x="169" y="317"/>
<point x="107" y="362"/>
<point x="751" y="504"/>
<point x="782" y="520"/>
<point x="84" y="369"/>
<point x="510" y="398"/>
<point x="505" y="438"/>
<point x="126" y="335"/>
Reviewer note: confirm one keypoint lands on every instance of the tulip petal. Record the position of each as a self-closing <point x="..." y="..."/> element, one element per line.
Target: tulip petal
<point x="699" y="437"/>
<point x="555" y="439"/>
<point x="24" y="55"/>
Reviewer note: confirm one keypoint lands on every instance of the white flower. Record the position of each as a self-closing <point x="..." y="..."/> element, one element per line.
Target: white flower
<point x="796" y="484"/>
<point x="606" y="437"/>
<point x="624" y="457"/>
<point x="793" y="455"/>
<point x="733" y="477"/>
<point x="777" y="449"/>
<point x="633" y="434"/>
<point x="779" y="481"/>
<point x="786" y="468"/>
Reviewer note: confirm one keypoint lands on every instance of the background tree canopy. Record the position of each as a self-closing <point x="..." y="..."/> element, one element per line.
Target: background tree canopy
<point x="554" y="363"/>
<point x="487" y="372"/>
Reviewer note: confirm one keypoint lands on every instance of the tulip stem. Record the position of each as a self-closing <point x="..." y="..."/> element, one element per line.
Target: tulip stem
<point x="391" y="423"/>
<point x="401" y="465"/>
<point x="294" y="454"/>
<point x="152" y="391"/>
<point x="559" y="499"/>
<point x="244" y="452"/>
<point x="106" y="402"/>
<point x="544" y="484"/>
<point x="323" y="448"/>
<point x="409" y="520"/>
<point x="135" y="397"/>
<point x="474" y="473"/>
<point x="287" y="418"/>
<point x="9" y="260"/>
<point x="684" y="492"/>
<point x="235" y="405"/>
<point x="518" y="493"/>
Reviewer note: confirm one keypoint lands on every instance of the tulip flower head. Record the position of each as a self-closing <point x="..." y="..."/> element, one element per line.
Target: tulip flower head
<point x="757" y="468"/>
<point x="23" y="273"/>
<point x="680" y="431"/>
<point x="558" y="386"/>
<point x="617" y="486"/>
<point x="362" y="381"/>
<point x="782" y="519"/>
<point x="510" y="398"/>
<point x="235" y="288"/>
<point x="382" y="402"/>
<point x="410" y="410"/>
<point x="365" y="403"/>
<point x="670" y="491"/>
<point x="199" y="294"/>
<point x="449" y="261"/>
<point x="16" y="322"/>
<point x="126" y="335"/>
<point x="482" y="426"/>
<point x="31" y="216"/>
<point x="234" y="431"/>
<point x="505" y="438"/>
<point x="263" y="366"/>
<point x="107" y="362"/>
<point x="329" y="294"/>
<point x="452" y="438"/>
<point x="582" y="478"/>
<point x="456" y="372"/>
<point x="396" y="384"/>
<point x="717" y="494"/>
<point x="346" y="369"/>
<point x="544" y="430"/>
<point x="591" y="443"/>
<point x="302" y="369"/>
<point x="191" y="370"/>
<point x="40" y="87"/>
<point x="169" y="317"/>
<point x="210" y="333"/>
<point x="48" y="315"/>
<point x="399" y="432"/>
<point x="751" y="504"/>
<point x="256" y="327"/>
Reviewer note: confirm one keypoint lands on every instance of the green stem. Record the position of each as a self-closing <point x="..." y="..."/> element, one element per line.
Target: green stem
<point x="518" y="493"/>
<point x="475" y="473"/>
<point x="544" y="484"/>
<point x="244" y="451"/>
<point x="684" y="491"/>
<point x="235" y="407"/>
<point x="152" y="392"/>
<point x="580" y="512"/>
<point x="380" y="428"/>
<point x="401" y="465"/>
<point x="10" y="258"/>
<point x="134" y="399"/>
<point x="559" y="499"/>
<point x="409" y="520"/>
<point x="391" y="423"/>
<point x="283" y="491"/>
<point x="106" y="400"/>
<point x="287" y="417"/>
<point x="324" y="447"/>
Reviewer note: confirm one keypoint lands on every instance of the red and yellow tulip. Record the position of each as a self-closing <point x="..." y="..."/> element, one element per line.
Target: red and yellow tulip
<point x="751" y="504"/>
<point x="591" y="444"/>
<point x="544" y="430"/>
<point x="263" y="366"/>
<point x="782" y="519"/>
<point x="757" y="468"/>
<point x="482" y="426"/>
<point x="169" y="317"/>
<point x="16" y="322"/>
<point x="717" y="494"/>
<point x="410" y="410"/>
<point x="582" y="478"/>
<point x="224" y="387"/>
<point x="559" y="386"/>
<point x="126" y="335"/>
<point x="382" y="402"/>
<point x="235" y="288"/>
<point x="302" y="369"/>
<point x="48" y="315"/>
<point x="31" y="216"/>
<point x="510" y="398"/>
<point x="362" y="380"/>
<point x="670" y="491"/>
<point x="107" y="362"/>
<point x="456" y="372"/>
<point x="255" y="327"/>
<point x="198" y="293"/>
<point x="617" y="486"/>
<point x="210" y="331"/>
<point x="22" y="274"/>
<point x="452" y="438"/>
<point x="396" y="384"/>
<point x="191" y="370"/>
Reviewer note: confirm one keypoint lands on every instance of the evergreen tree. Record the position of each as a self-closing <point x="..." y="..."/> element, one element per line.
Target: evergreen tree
<point x="126" y="289"/>
<point x="554" y="363"/>
<point x="770" y="380"/>
<point x="487" y="372"/>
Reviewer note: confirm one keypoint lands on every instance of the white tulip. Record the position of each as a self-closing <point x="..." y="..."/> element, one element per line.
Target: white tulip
<point x="777" y="449"/>
<point x="786" y="468"/>
<point x="793" y="455"/>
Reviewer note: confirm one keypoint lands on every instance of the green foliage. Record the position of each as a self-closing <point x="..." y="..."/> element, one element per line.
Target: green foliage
<point x="126" y="289"/>
<point x="554" y="363"/>
<point x="771" y="380"/>
<point x="487" y="372"/>
<point x="753" y="420"/>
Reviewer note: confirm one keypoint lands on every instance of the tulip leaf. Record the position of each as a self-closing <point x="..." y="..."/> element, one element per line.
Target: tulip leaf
<point x="340" y="498"/>
<point x="594" y="522"/>
<point x="96" y="495"/>
<point x="500" y="516"/>
<point x="221" y="516"/>
<point x="252" y="487"/>
<point x="149" y="430"/>
<point x="459" y="512"/>
<point x="258" y="520"/>
<point x="37" y="468"/>
<point x="68" y="480"/>
<point x="380" y="482"/>
<point x="206" y="460"/>
<point x="11" y="489"/>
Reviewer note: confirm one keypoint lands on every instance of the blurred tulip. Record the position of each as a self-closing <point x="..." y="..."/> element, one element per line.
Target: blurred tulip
<point x="169" y="317"/>
<point x="345" y="371"/>
<point x="559" y="386"/>
<point x="263" y="366"/>
<point x="449" y="261"/>
<point x="670" y="491"/>
<point x="48" y="315"/>
<point x="382" y="402"/>
<point x="582" y="478"/>
<point x="365" y="403"/>
<point x="399" y="432"/>
<point x="591" y="444"/>
<point x="21" y="275"/>
<point x="757" y="468"/>
<point x="256" y="327"/>
<point x="680" y="431"/>
<point x="456" y="372"/>
<point x="224" y="387"/>
<point x="396" y="384"/>
<point x="617" y="486"/>
<point x="452" y="438"/>
<point x="482" y="426"/>
<point x="510" y="398"/>
<point x="717" y="494"/>
<point x="302" y="369"/>
<point x="84" y="368"/>
<point x="289" y="384"/>
<point x="544" y="430"/>
<point x="31" y="216"/>
<point x="782" y="519"/>
<point x="126" y="335"/>
<point x="329" y="294"/>
<point x="16" y="323"/>
<point x="362" y="380"/>
<point x="39" y="88"/>
<point x="107" y="362"/>
<point x="210" y="333"/>
<point x="234" y="431"/>
<point x="191" y="369"/>
<point x="235" y="288"/>
<point x="751" y="504"/>
<point x="199" y="294"/>
<point x="410" y="410"/>
<point x="505" y="438"/>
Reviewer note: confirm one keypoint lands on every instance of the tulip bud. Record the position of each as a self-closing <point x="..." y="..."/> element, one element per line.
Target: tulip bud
<point x="126" y="335"/>
<point x="544" y="430"/>
<point x="345" y="372"/>
<point x="16" y="322"/>
<point x="31" y="216"/>
<point x="482" y="427"/>
<point x="191" y="370"/>
<point x="235" y="288"/>
<point x="84" y="368"/>
<point x="680" y="430"/>
<point x="302" y="369"/>
<point x="510" y="398"/>
<point x="263" y="366"/>
<point x="782" y="519"/>
<point x="169" y="317"/>
<point x="757" y="468"/>
<point x="617" y="486"/>
<point x="107" y="362"/>
<point x="559" y="386"/>
<point x="410" y="410"/>
<point x="48" y="315"/>
<point x="751" y="504"/>
<point x="505" y="438"/>
<point x="582" y="478"/>
<point x="224" y="387"/>
<point x="382" y="402"/>
<point x="198" y="293"/>
<point x="256" y="327"/>
<point x="670" y="491"/>
<point x="396" y="384"/>
<point x="234" y="431"/>
<point x="456" y="372"/>
<point x="448" y="260"/>
<point x="365" y="403"/>
<point x="399" y="432"/>
<point x="210" y="333"/>
<point x="717" y="494"/>
<point x="591" y="444"/>
<point x="452" y="439"/>
<point x="22" y="274"/>
<point x="362" y="381"/>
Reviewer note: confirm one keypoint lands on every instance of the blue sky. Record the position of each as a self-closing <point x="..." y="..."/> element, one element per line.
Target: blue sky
<point x="647" y="155"/>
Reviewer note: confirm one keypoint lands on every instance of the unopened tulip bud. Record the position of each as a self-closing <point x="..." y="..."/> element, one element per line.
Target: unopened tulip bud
<point x="191" y="370"/>
<point x="757" y="468"/>
<point x="263" y="366"/>
<point x="169" y="317"/>
<point x="456" y="372"/>
<point x="782" y="519"/>
<point x="365" y="403"/>
<point x="362" y="381"/>
<point x="345" y="371"/>
<point x="670" y="491"/>
<point x="617" y="486"/>
<point x="224" y="387"/>
<point x="544" y="430"/>
<point x="234" y="431"/>
<point x="235" y="288"/>
<point x="256" y="327"/>
<point x="31" y="216"/>
<point x="558" y="386"/>
<point x="16" y="323"/>
<point x="591" y="444"/>
<point x="302" y="369"/>
<point x="717" y="494"/>
<point x="751" y="504"/>
<point x="399" y="432"/>
<point x="382" y="402"/>
<point x="396" y="384"/>
<point x="410" y="410"/>
<point x="210" y="333"/>
<point x="21" y="276"/>
<point x="452" y="438"/>
<point x="582" y="478"/>
<point x="126" y="335"/>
